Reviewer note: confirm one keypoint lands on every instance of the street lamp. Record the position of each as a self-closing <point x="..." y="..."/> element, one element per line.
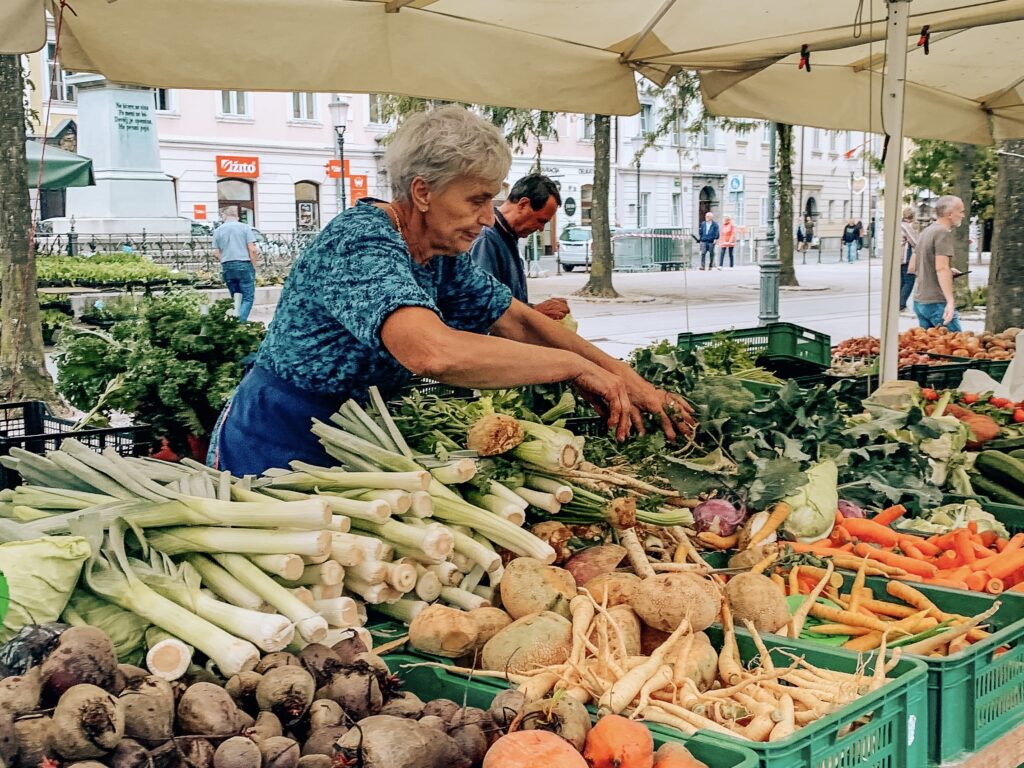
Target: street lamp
<point x="770" y="265"/>
<point x="339" y="118"/>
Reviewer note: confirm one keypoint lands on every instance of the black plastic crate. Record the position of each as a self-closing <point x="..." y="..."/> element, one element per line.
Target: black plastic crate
<point x="436" y="388"/>
<point x="945" y="376"/>
<point x="30" y="425"/>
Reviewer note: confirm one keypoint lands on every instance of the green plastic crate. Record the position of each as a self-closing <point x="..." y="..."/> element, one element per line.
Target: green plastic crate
<point x="435" y="683"/>
<point x="894" y="735"/>
<point x="782" y="347"/>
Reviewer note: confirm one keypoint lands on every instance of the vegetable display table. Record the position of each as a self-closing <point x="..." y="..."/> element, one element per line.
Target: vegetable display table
<point x="1007" y="752"/>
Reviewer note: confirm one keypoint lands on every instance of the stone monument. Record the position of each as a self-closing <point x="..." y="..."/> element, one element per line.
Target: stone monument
<point x="132" y="193"/>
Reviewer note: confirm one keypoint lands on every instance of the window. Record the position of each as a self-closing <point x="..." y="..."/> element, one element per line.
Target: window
<point x="586" y="203"/>
<point x="374" y="111"/>
<point x="234" y="103"/>
<point x="736" y="205"/>
<point x="304" y="106"/>
<point x="646" y="119"/>
<point x="644" y="214"/>
<point x="707" y="135"/>
<point x="766" y="133"/>
<point x="237" y="195"/>
<point x="816" y="139"/>
<point x="831" y="209"/>
<point x="846" y="211"/>
<point x="676" y="204"/>
<point x="163" y="99"/>
<point x="307" y="206"/>
<point x="833" y="141"/>
<point x="849" y="140"/>
<point x="588" y="128"/>
<point x="58" y="89"/>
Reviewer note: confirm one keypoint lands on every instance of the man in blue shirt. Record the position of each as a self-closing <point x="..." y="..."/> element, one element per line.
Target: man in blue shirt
<point x="531" y="204"/>
<point x="709" y="234"/>
<point x="235" y="246"/>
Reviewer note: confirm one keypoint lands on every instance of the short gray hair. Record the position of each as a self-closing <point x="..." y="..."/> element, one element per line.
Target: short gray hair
<point x="944" y="205"/>
<point x="443" y="145"/>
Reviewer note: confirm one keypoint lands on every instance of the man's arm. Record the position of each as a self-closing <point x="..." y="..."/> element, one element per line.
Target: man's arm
<point x="254" y="253"/>
<point x="944" y="272"/>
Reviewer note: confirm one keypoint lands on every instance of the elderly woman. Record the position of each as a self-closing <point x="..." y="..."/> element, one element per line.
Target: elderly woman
<point x="387" y="289"/>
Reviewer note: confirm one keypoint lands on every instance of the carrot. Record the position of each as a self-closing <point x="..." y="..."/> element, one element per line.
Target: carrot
<point x="836" y="616"/>
<point x="718" y="542"/>
<point x="925" y="546"/>
<point x="858" y="583"/>
<point x="839" y="536"/>
<point x="983" y="563"/>
<point x="925" y="647"/>
<point x="908" y="564"/>
<point x="1018" y="587"/>
<point x="771" y="525"/>
<point x="944" y="541"/>
<point x="972" y="526"/>
<point x="948" y="559"/>
<point x="957" y="574"/>
<point x="910" y="550"/>
<point x="806" y="584"/>
<point x="800" y="615"/>
<point x="1016" y="542"/>
<point x="882" y="608"/>
<point x="962" y="544"/>
<point x="794" y="580"/>
<point x="1002" y="544"/>
<point x="889" y="515"/>
<point x="866" y="642"/>
<point x="764" y="564"/>
<point x="976" y="581"/>
<point x="995" y="586"/>
<point x="816" y="573"/>
<point x="840" y="629"/>
<point x="913" y="597"/>
<point x="868" y="530"/>
<point x="988" y="538"/>
<point x="951" y="583"/>
<point x="1006" y="563"/>
<point x="781" y="582"/>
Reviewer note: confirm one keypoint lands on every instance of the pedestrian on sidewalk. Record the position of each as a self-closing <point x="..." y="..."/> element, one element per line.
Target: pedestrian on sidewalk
<point x="709" y="234"/>
<point x="860" y="237"/>
<point x="908" y="242"/>
<point x="728" y="233"/>
<point x="932" y="262"/>
<point x="235" y="246"/>
<point x="531" y="204"/>
<point x="850" y="239"/>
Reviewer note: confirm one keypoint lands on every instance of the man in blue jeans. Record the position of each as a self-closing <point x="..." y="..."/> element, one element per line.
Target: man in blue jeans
<point x="235" y="246"/>
<point x="709" y="234"/>
<point x="932" y="263"/>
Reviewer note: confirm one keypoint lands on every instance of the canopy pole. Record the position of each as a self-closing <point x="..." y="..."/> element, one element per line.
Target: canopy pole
<point x="893" y="89"/>
<point x="770" y="265"/>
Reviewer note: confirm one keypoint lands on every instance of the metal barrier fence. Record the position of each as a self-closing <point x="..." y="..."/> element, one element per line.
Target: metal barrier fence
<point x="194" y="254"/>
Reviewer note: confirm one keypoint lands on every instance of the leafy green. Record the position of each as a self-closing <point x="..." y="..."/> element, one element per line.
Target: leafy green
<point x="173" y="367"/>
<point x="115" y="269"/>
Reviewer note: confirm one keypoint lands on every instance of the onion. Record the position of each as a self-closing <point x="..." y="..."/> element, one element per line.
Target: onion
<point x="717" y="516"/>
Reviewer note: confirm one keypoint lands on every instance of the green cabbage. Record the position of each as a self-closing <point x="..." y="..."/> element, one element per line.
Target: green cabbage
<point x="41" y="575"/>
<point x="950" y="516"/>
<point x="125" y="629"/>
<point x="813" y="507"/>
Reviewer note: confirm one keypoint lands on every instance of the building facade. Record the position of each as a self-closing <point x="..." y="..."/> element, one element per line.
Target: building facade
<point x="273" y="158"/>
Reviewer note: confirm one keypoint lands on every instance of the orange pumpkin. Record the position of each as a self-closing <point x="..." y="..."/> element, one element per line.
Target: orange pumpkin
<point x="529" y="749"/>
<point x="672" y="754"/>
<point x="616" y="742"/>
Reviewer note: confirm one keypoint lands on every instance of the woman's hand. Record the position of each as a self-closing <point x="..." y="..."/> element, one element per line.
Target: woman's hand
<point x="608" y="393"/>
<point x="675" y="413"/>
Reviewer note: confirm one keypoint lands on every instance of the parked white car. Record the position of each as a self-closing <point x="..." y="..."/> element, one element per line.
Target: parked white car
<point x="574" y="246"/>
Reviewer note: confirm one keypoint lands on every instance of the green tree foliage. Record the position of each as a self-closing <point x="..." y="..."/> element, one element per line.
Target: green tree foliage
<point x="932" y="166"/>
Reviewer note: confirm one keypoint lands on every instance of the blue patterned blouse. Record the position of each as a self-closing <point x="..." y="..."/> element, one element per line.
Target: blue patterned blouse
<point x="325" y="335"/>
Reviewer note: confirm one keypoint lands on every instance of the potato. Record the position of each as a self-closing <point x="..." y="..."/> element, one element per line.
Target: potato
<point x="489" y="621"/>
<point x="755" y="597"/>
<point x="529" y="586"/>
<point x="665" y="600"/>
<point x="628" y="623"/>
<point x="613" y="588"/>
<point x="443" y="631"/>
<point x="540" y="639"/>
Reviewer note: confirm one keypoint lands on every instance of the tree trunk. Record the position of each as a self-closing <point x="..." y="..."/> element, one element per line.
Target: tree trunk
<point x="1005" y="284"/>
<point x="963" y="174"/>
<point x="23" y="373"/>
<point x="601" y="262"/>
<point x="787" y="272"/>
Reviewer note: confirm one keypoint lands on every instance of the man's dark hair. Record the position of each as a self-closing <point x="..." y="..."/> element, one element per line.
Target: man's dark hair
<point x="537" y="188"/>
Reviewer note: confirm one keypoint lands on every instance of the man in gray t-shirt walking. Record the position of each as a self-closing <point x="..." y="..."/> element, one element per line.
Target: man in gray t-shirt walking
<point x="932" y="263"/>
<point x="235" y="246"/>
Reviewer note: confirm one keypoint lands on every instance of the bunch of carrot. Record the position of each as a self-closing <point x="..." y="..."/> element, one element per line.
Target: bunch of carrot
<point x="909" y="620"/>
<point x="963" y="558"/>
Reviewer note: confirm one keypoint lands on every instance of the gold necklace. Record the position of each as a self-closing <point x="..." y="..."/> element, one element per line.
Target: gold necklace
<point x="393" y="215"/>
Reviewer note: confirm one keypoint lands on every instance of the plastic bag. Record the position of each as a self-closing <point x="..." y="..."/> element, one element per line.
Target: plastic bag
<point x="1012" y="385"/>
<point x="29" y="647"/>
<point x="40" y="576"/>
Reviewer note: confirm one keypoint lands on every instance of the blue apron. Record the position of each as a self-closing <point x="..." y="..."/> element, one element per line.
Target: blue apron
<point x="267" y="424"/>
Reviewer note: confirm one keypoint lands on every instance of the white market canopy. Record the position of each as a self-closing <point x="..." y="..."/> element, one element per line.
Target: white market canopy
<point x="560" y="55"/>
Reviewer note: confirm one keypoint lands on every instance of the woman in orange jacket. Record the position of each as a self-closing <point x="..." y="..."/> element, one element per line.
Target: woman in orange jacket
<point x="727" y="243"/>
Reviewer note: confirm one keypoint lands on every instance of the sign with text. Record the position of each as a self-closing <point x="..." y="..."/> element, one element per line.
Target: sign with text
<point x="199" y="212"/>
<point x="334" y="169"/>
<point x="239" y="166"/>
<point x="357" y="188"/>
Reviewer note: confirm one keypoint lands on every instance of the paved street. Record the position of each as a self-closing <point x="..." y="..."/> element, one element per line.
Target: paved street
<point x="842" y="300"/>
